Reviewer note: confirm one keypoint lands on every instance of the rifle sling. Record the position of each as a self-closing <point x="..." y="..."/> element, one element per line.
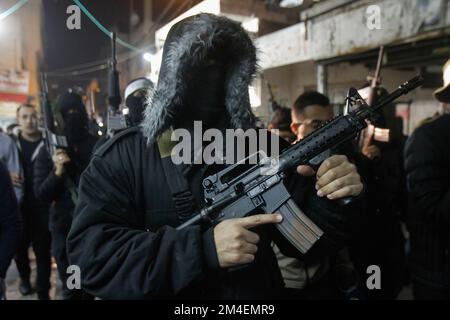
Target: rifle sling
<point x="182" y="197"/>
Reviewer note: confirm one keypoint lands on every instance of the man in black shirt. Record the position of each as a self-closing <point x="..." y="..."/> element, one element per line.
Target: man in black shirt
<point x="34" y="212"/>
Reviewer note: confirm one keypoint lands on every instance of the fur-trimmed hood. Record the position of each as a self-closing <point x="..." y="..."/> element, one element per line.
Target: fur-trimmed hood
<point x="187" y="45"/>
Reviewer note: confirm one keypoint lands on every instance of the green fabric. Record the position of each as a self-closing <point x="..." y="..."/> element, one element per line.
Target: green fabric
<point x="165" y="144"/>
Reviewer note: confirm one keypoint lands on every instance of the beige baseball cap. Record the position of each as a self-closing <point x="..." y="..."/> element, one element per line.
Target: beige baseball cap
<point x="443" y="93"/>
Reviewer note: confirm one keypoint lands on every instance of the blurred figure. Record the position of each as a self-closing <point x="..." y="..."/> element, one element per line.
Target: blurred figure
<point x="34" y="212"/>
<point x="427" y="164"/>
<point x="137" y="93"/>
<point x="281" y="120"/>
<point x="57" y="177"/>
<point x="9" y="226"/>
<point x="381" y="241"/>
<point x="9" y="155"/>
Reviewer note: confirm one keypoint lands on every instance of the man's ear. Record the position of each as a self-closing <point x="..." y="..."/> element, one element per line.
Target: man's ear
<point x="294" y="128"/>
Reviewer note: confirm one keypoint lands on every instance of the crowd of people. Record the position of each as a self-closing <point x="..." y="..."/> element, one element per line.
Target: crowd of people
<point x="110" y="207"/>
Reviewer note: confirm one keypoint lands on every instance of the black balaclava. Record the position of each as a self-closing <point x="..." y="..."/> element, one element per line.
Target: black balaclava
<point x="136" y="107"/>
<point x="74" y="115"/>
<point x="192" y="44"/>
<point x="136" y="94"/>
<point x="205" y="100"/>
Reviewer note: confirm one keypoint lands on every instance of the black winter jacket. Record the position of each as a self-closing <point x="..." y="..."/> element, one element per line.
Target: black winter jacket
<point x="61" y="192"/>
<point x="123" y="235"/>
<point x="427" y="156"/>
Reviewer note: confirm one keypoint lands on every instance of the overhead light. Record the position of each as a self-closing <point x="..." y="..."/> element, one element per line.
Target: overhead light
<point x="251" y="25"/>
<point x="147" y="57"/>
<point x="291" y="3"/>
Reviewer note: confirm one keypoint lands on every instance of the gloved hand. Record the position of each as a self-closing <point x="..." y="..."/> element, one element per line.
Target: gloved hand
<point x="2" y="289"/>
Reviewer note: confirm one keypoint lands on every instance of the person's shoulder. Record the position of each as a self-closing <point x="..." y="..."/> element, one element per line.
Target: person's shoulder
<point x="430" y="129"/>
<point x="5" y="139"/>
<point x="128" y="139"/>
<point x="437" y="124"/>
<point x="429" y="135"/>
<point x="441" y="123"/>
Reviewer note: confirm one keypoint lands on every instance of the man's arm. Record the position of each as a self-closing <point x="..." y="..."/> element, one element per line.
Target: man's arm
<point x="47" y="185"/>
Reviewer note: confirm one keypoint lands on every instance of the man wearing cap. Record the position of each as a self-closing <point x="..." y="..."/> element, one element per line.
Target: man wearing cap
<point x="427" y="163"/>
<point x="136" y="94"/>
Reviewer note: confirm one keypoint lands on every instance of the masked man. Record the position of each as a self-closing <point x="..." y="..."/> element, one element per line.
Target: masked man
<point x="57" y="176"/>
<point x="123" y="235"/>
<point x="136" y="93"/>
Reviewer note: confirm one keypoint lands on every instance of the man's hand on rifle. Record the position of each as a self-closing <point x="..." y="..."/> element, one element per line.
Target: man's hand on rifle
<point x="235" y="244"/>
<point x="60" y="158"/>
<point x="16" y="179"/>
<point x="337" y="178"/>
<point x="371" y="152"/>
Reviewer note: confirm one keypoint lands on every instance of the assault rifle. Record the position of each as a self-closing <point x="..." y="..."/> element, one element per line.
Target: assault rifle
<point x="116" y="120"/>
<point x="368" y="133"/>
<point x="232" y="193"/>
<point x="52" y="140"/>
<point x="273" y="103"/>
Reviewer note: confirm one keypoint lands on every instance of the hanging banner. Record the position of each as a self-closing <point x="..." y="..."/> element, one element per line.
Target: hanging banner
<point x="14" y="82"/>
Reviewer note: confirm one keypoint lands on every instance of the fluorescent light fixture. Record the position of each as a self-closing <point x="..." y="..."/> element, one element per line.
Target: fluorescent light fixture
<point x="251" y="25"/>
<point x="147" y="57"/>
<point x="291" y="3"/>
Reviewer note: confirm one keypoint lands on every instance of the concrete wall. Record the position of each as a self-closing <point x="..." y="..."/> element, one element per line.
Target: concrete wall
<point x="288" y="82"/>
<point x="345" y="30"/>
<point x="288" y="57"/>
